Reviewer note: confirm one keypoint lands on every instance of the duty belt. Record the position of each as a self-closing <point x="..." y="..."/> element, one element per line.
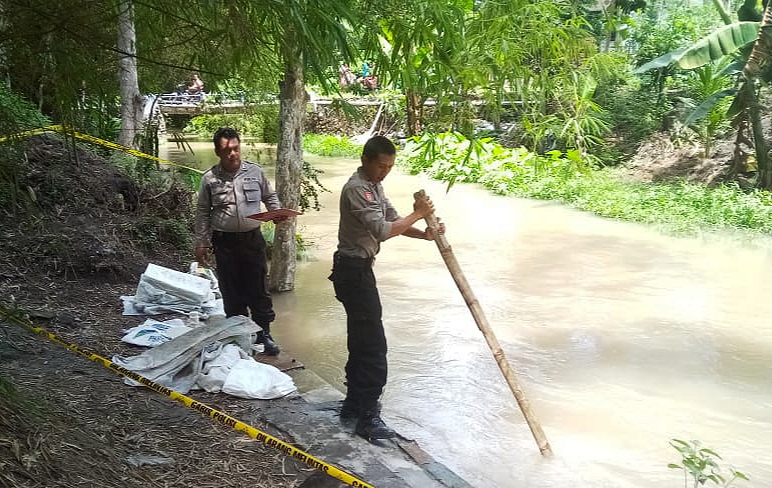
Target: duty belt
<point x="234" y="236"/>
<point x="352" y="261"/>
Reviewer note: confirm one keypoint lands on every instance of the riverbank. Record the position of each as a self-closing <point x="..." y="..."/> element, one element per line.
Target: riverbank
<point x="673" y="189"/>
<point x="67" y="422"/>
<point x="79" y="235"/>
<point x="69" y="253"/>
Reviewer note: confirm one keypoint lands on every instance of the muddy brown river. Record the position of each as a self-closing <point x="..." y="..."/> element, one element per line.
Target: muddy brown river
<point x="623" y="338"/>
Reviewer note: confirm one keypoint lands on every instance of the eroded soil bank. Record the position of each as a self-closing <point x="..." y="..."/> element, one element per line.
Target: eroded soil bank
<point x="80" y="237"/>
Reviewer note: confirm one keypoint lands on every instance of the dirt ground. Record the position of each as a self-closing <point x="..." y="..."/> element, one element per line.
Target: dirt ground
<point x="68" y="422"/>
<point x="659" y="159"/>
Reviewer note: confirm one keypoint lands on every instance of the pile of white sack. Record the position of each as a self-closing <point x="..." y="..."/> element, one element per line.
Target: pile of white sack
<point x="212" y="355"/>
<point x="166" y="290"/>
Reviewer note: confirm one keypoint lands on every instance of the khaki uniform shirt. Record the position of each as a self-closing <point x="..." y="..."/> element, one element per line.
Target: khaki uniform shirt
<point x="365" y="217"/>
<point x="225" y="199"/>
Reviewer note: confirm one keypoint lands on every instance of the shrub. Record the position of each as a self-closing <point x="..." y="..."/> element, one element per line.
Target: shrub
<point x="17" y="114"/>
<point x="333" y="146"/>
<point x="677" y="207"/>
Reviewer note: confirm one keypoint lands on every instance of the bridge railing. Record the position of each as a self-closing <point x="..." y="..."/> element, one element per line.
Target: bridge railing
<point x="201" y="98"/>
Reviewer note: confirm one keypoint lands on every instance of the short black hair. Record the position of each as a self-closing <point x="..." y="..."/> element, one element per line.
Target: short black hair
<point x="224" y="133"/>
<point x="376" y="146"/>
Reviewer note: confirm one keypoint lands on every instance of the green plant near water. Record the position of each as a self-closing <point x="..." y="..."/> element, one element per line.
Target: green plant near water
<point x="261" y="124"/>
<point x="679" y="207"/>
<point x="302" y="246"/>
<point x="332" y="146"/>
<point x="310" y="187"/>
<point x="700" y="465"/>
<point x="453" y="158"/>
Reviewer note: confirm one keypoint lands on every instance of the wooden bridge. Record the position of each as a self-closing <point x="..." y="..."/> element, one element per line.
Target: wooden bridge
<point x="220" y="103"/>
<point x="198" y="104"/>
<point x="184" y="104"/>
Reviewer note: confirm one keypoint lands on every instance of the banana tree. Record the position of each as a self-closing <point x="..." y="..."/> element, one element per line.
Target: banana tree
<point x="744" y="111"/>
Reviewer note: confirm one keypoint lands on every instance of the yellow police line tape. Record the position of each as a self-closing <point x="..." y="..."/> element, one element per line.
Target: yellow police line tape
<point x="221" y="417"/>
<point x="95" y="140"/>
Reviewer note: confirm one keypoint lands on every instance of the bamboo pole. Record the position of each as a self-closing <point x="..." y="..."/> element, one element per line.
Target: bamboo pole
<point x="482" y="323"/>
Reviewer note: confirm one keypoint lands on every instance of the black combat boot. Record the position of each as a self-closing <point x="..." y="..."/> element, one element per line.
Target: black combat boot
<point x="370" y="424"/>
<point x="270" y="348"/>
<point x="350" y="409"/>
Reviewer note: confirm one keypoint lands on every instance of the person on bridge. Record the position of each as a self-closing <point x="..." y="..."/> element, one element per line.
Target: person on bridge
<point x="229" y="192"/>
<point x="367" y="218"/>
<point x="196" y="86"/>
<point x="345" y="77"/>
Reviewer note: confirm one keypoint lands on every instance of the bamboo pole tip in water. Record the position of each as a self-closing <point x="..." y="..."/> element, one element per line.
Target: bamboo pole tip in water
<point x="546" y="450"/>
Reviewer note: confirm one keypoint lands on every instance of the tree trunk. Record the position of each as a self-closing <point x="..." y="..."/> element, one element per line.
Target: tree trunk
<point x="4" y="70"/>
<point x="760" y="146"/>
<point x="761" y="53"/>
<point x="725" y="17"/>
<point x="132" y="102"/>
<point x="414" y="112"/>
<point x="289" y="163"/>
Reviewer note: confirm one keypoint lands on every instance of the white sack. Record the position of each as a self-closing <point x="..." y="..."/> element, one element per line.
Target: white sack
<point x="250" y="379"/>
<point x="177" y="363"/>
<point x="217" y="365"/>
<point x="152" y="332"/>
<point x="166" y="290"/>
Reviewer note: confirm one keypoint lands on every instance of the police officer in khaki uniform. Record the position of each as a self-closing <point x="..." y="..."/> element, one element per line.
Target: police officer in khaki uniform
<point x="367" y="218"/>
<point x="230" y="191"/>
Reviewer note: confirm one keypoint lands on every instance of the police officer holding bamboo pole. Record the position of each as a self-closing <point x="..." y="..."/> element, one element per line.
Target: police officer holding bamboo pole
<point x="367" y="218"/>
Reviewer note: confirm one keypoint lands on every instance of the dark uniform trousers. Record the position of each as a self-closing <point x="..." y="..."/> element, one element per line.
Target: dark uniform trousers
<point x="242" y="272"/>
<point x="366" y="368"/>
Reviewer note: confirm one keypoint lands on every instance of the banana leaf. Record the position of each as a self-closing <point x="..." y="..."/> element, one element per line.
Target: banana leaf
<point x="733" y="68"/>
<point x="704" y="108"/>
<point x="662" y="61"/>
<point x="721" y="42"/>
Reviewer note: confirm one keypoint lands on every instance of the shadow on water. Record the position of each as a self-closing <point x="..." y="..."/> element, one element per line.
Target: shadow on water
<point x="622" y="338"/>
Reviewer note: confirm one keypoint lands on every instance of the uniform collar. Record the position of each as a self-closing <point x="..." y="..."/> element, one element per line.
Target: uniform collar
<point x="363" y="176"/>
<point x="222" y="172"/>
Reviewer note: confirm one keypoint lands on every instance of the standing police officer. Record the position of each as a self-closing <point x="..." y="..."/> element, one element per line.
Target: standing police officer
<point x="230" y="191"/>
<point x="367" y="218"/>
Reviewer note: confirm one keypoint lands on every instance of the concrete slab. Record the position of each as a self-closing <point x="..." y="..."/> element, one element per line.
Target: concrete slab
<point x="283" y="361"/>
<point x="311" y="419"/>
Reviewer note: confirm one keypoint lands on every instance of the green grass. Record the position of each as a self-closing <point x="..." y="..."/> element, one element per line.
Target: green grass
<point x="677" y="207"/>
<point x="333" y="146"/>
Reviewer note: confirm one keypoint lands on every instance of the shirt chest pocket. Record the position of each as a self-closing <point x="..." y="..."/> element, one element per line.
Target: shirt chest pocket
<point x="252" y="195"/>
<point x="221" y="197"/>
